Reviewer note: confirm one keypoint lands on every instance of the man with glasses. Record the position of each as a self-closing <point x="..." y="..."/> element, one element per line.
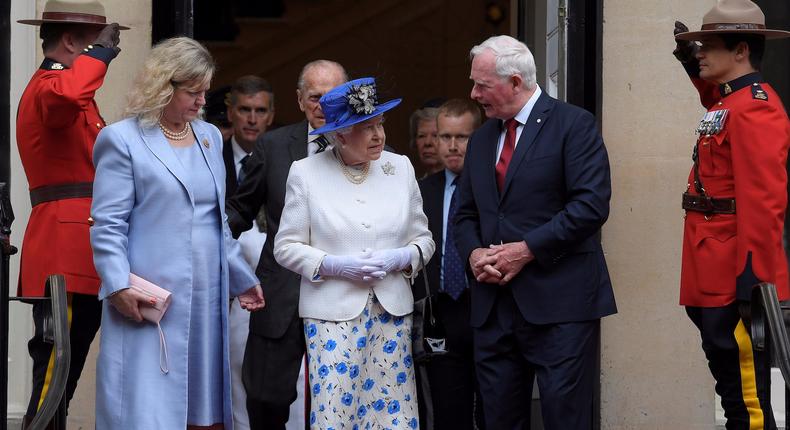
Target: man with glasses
<point x="451" y="377"/>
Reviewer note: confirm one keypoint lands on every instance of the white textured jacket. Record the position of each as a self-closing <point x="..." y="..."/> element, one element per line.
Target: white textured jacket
<point x="325" y="213"/>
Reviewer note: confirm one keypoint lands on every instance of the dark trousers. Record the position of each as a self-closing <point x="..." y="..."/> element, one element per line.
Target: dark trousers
<point x="269" y="372"/>
<point x="742" y="374"/>
<point x="510" y="352"/>
<point x="84" y="318"/>
<point x="451" y="377"/>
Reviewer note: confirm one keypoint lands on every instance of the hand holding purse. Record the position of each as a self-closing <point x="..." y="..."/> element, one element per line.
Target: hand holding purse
<point x="429" y="338"/>
<point x="154" y="312"/>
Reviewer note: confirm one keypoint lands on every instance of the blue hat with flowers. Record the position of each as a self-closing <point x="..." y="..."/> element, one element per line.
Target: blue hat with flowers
<point x="351" y="103"/>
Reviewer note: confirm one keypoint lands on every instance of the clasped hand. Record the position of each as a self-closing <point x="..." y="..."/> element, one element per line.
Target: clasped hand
<point x="498" y="264"/>
<point x="367" y="265"/>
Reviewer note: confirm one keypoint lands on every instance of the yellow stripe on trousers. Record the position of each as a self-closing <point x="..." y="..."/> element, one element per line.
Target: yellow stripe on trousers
<point x="748" y="377"/>
<point x="51" y="365"/>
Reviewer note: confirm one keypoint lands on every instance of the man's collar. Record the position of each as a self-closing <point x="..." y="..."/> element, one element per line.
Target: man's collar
<point x="449" y="176"/>
<point x="736" y="84"/>
<point x="310" y="137"/>
<point x="523" y="115"/>
<point x="238" y="151"/>
<point x="50" y="64"/>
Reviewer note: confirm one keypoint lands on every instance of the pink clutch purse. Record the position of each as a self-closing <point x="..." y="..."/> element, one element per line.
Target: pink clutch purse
<point x="154" y="313"/>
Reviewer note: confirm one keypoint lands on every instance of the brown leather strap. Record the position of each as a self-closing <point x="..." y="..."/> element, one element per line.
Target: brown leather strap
<point x="75" y="17"/>
<point x="49" y="193"/>
<point x="733" y="26"/>
<point x="708" y="205"/>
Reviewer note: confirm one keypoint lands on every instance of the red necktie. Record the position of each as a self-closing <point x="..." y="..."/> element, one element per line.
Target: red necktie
<point x="507" y="152"/>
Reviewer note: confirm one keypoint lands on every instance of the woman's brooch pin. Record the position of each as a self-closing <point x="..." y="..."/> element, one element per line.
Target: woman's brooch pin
<point x="388" y="168"/>
<point x="205" y="143"/>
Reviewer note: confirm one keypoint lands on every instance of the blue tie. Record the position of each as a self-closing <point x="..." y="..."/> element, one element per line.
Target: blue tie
<point x="242" y="173"/>
<point x="454" y="276"/>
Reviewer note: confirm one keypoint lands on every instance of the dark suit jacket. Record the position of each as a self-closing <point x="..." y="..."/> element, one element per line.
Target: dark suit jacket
<point x="231" y="183"/>
<point x="556" y="198"/>
<point x="432" y="190"/>
<point x="264" y="185"/>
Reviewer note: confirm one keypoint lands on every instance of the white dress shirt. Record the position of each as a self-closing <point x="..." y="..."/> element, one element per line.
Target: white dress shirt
<point x="522" y="116"/>
<point x="238" y="154"/>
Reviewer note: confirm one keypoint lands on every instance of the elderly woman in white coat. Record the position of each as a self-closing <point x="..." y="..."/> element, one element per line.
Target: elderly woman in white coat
<point x="159" y="214"/>
<point x="351" y="227"/>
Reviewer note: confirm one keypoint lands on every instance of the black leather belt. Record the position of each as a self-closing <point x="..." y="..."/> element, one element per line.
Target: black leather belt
<point x="708" y="205"/>
<point x="49" y="193"/>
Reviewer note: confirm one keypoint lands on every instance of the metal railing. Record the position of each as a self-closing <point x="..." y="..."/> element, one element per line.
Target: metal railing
<point x="769" y="331"/>
<point x="56" y="331"/>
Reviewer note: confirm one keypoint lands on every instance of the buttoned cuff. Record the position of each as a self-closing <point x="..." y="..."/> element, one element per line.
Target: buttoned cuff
<point x="100" y="53"/>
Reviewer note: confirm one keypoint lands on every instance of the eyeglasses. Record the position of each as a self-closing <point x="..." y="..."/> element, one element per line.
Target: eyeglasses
<point x="459" y="138"/>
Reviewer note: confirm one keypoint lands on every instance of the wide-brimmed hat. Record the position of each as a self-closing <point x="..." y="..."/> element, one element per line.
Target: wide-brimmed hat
<point x="88" y="12"/>
<point x="351" y="103"/>
<point x="734" y="16"/>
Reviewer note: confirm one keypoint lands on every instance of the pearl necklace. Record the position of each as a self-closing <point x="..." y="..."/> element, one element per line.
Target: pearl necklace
<point x="181" y="135"/>
<point x="354" y="178"/>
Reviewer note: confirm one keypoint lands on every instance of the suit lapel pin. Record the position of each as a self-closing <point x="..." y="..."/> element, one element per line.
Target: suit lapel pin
<point x="538" y="120"/>
<point x="388" y="168"/>
<point x="205" y="143"/>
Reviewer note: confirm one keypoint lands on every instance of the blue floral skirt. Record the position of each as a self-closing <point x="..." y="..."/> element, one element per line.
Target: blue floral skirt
<point x="361" y="371"/>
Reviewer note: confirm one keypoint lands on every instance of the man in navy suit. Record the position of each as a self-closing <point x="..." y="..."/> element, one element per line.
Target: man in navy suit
<point x="533" y="196"/>
<point x="451" y="377"/>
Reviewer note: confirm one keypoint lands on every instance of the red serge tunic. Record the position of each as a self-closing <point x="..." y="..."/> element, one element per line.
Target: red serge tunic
<point x="724" y="255"/>
<point x="57" y="123"/>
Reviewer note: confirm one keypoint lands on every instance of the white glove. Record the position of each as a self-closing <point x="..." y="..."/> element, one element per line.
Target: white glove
<point x="359" y="267"/>
<point x="393" y="260"/>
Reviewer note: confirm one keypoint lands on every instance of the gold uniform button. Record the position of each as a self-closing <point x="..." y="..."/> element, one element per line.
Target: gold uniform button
<point x="90" y="220"/>
<point x="98" y="125"/>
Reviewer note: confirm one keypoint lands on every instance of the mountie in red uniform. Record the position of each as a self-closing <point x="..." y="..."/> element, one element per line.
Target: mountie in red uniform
<point x="735" y="209"/>
<point x="56" y="127"/>
<point x="740" y="176"/>
<point x="57" y="124"/>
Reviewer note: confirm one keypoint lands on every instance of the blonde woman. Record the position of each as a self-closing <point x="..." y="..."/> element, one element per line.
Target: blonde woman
<point x="158" y="213"/>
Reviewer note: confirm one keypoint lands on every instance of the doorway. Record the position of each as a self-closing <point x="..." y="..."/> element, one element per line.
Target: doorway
<point x="565" y="38"/>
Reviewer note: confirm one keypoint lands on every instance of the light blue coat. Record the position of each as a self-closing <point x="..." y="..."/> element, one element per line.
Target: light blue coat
<point x="142" y="211"/>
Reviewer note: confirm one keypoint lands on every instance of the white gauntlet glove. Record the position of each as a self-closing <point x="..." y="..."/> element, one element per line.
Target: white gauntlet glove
<point x="361" y="267"/>
<point x="393" y="260"/>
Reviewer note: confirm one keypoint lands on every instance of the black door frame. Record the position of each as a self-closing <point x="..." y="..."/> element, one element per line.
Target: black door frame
<point x="170" y="18"/>
<point x="5" y="91"/>
<point x="583" y="88"/>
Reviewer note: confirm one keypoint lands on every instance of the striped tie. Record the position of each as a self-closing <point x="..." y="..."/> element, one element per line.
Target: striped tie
<point x="322" y="144"/>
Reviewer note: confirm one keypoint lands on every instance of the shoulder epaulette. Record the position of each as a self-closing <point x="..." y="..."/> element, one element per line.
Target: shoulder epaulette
<point x="758" y="92"/>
